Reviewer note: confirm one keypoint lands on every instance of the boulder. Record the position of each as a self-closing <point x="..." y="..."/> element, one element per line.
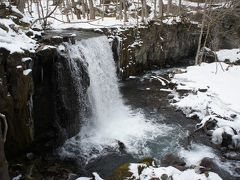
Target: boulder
<point x="213" y="166"/>
<point x="173" y="160"/>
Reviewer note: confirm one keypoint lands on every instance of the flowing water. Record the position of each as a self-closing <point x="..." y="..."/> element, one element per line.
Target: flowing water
<point x="111" y="121"/>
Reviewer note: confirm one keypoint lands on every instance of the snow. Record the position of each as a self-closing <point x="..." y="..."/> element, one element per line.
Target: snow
<point x="217" y="136"/>
<point x="27" y="71"/>
<point x="15" y="41"/>
<point x="232" y="55"/>
<point x="222" y="96"/>
<point x="172" y="20"/>
<point x="83" y="178"/>
<point x="48" y="47"/>
<point x="191" y="175"/>
<point x="96" y="177"/>
<point x="61" y="47"/>
<point x="133" y="168"/>
<point x="17" y="177"/>
<point x="220" y="103"/>
<point x="26" y="59"/>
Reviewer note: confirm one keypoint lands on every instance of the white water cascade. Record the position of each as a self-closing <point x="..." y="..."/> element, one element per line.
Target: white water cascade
<point x="111" y="120"/>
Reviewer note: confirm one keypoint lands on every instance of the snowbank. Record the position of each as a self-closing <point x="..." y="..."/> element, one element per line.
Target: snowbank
<point x="231" y="55"/>
<point x="213" y="95"/>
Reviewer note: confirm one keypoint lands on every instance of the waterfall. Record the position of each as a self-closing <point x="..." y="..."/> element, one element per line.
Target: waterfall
<point x="111" y="120"/>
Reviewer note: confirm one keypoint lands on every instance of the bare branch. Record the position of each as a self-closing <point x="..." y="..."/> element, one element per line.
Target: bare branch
<point x="48" y="15"/>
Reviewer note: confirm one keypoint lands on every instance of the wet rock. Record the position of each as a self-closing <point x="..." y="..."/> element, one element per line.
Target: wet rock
<point x="232" y="155"/>
<point x="60" y="96"/>
<point x="68" y="37"/>
<point x="208" y="55"/>
<point x="164" y="177"/>
<point x="121" y="146"/>
<point x="5" y="28"/>
<point x="21" y="23"/>
<point x="233" y="115"/>
<point x="15" y="101"/>
<point x="213" y="166"/>
<point x="29" y="33"/>
<point x="173" y="160"/>
<point x="30" y="156"/>
<point x="226" y="140"/>
<point x="201" y="169"/>
<point x="52" y="40"/>
<point x="202" y="89"/>
<point x="171" y="96"/>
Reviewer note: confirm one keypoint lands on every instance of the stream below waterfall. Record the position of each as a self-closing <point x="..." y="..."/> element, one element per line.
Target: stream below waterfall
<point x="127" y="120"/>
<point x="130" y="120"/>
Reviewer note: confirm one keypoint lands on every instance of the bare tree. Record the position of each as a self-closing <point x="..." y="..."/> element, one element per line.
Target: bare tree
<point x="120" y="15"/>
<point x="155" y="9"/>
<point x="91" y="9"/>
<point x="20" y="5"/>
<point x="144" y="10"/>
<point x="179" y="6"/>
<point x="160" y="6"/>
<point x="125" y="11"/>
<point x="201" y="34"/>
<point x="169" y="6"/>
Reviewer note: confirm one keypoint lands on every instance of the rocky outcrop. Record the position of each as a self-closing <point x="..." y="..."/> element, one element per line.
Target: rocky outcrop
<point x="226" y="32"/>
<point x="156" y="46"/>
<point x="60" y="85"/>
<point x="15" y="99"/>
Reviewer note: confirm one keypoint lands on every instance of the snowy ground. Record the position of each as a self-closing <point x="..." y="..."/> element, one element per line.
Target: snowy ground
<point x="13" y="37"/>
<point x="229" y="55"/>
<point x="219" y="103"/>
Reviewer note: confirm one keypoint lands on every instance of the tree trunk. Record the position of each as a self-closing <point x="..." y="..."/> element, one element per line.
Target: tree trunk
<point x="155" y="9"/>
<point x="160" y="6"/>
<point x="91" y="8"/>
<point x="120" y="9"/>
<point x="21" y="5"/>
<point x="179" y="7"/>
<point x="201" y="35"/>
<point x="169" y="7"/>
<point x="125" y="11"/>
<point x="83" y="9"/>
<point x="103" y="9"/>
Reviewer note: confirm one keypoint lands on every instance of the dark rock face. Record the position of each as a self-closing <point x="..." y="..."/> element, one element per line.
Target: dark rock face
<point x="157" y="46"/>
<point x="15" y="100"/>
<point x="59" y="96"/>
<point x="226" y="33"/>
<point x="173" y="160"/>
